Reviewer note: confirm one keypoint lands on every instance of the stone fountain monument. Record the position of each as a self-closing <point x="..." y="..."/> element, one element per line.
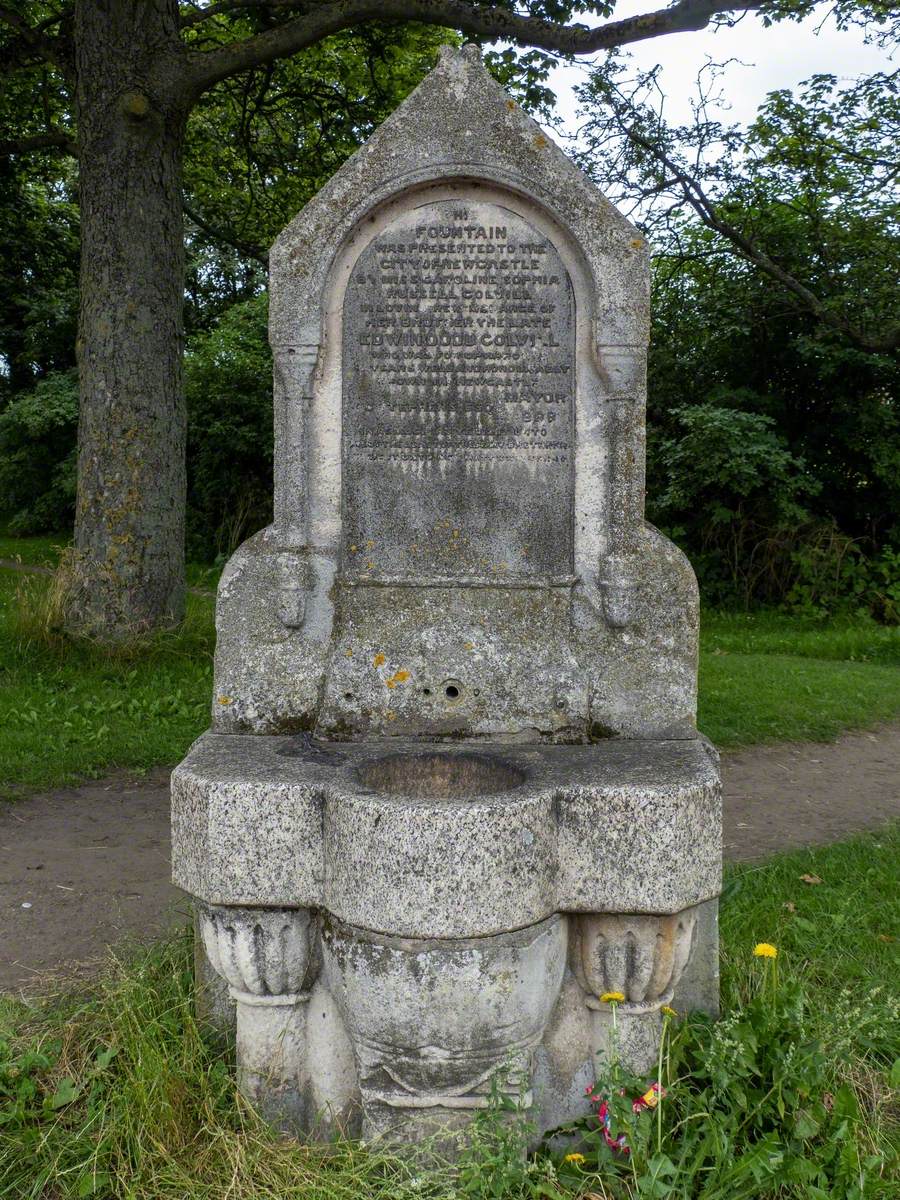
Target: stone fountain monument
<point x="453" y="790"/>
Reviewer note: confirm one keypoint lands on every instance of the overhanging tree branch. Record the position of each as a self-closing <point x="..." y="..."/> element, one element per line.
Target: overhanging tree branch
<point x="54" y="139"/>
<point x="249" y="249"/>
<point x="207" y="69"/>
<point x="711" y="216"/>
<point x="31" y="44"/>
<point x="196" y="16"/>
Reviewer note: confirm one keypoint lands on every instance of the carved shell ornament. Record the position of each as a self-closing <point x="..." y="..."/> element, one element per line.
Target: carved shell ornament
<point x="641" y="956"/>
<point x="258" y="951"/>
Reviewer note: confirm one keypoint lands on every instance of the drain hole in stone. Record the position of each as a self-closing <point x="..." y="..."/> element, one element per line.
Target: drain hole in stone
<point x="441" y="776"/>
<point x="452" y="691"/>
<point x="348" y="695"/>
<point x="426" y="691"/>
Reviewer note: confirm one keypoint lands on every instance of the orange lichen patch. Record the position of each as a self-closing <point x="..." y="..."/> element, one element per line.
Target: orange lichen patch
<point x="349" y="652"/>
<point x="636" y="243"/>
<point x="400" y="676"/>
<point x="511" y="104"/>
<point x="379" y="660"/>
<point x="369" y="544"/>
<point x="370" y="566"/>
<point x="390" y="715"/>
<point x="353" y="549"/>
<point x="540" y="141"/>
<point x="224" y="699"/>
<point x="469" y="645"/>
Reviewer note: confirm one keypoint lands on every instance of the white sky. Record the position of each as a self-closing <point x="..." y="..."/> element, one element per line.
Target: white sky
<point x="777" y="57"/>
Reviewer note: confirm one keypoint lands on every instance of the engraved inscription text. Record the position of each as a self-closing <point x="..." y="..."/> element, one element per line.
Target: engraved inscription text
<point x="458" y="367"/>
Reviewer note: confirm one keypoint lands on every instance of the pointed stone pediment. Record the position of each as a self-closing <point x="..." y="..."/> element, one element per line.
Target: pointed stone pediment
<point x="457" y="124"/>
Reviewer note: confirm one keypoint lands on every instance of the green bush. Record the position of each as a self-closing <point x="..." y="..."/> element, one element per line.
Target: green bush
<point x="228" y="385"/>
<point x="732" y="494"/>
<point x="38" y="430"/>
<point x="228" y="381"/>
<point x="750" y="1105"/>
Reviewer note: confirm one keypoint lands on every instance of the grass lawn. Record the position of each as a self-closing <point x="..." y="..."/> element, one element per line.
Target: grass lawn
<point x="769" y="677"/>
<point x="67" y="713"/>
<point x="117" y="1093"/>
<point x="73" y="712"/>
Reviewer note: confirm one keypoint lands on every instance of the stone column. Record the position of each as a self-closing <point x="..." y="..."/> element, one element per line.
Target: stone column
<point x="295" y="367"/>
<point x="623" y="370"/>
<point x="264" y="955"/>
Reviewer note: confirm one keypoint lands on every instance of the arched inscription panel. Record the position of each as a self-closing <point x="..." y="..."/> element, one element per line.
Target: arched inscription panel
<point x="458" y="401"/>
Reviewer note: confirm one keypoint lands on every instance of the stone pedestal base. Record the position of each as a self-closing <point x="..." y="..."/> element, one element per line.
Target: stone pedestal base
<point x="409" y="950"/>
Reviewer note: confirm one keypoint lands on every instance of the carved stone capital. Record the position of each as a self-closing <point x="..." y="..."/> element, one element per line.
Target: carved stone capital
<point x="260" y="952"/>
<point x="623" y="370"/>
<point x="640" y="955"/>
<point x="296" y="365"/>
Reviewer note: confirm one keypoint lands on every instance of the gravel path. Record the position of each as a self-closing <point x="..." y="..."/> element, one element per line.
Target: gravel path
<point x="83" y="868"/>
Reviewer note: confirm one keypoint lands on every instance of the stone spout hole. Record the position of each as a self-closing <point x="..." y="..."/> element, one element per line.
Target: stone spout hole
<point x="441" y="776"/>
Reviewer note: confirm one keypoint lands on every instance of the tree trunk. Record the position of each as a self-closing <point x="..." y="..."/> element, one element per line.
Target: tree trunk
<point x="127" y="572"/>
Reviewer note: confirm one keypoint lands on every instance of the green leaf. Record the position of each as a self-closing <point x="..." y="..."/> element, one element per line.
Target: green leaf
<point x="95" y="1184"/>
<point x="64" y="1094"/>
<point x="105" y="1057"/>
<point x="806" y="1125"/>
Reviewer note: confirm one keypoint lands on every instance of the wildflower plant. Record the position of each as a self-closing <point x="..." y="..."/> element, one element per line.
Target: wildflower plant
<point x="746" y="1106"/>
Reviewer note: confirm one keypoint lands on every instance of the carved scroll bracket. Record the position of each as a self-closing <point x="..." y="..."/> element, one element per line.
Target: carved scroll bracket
<point x="259" y="952"/>
<point x="618" y="590"/>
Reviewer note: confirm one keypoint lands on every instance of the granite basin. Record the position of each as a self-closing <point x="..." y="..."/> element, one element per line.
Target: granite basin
<point x="447" y="841"/>
<point x="440" y="776"/>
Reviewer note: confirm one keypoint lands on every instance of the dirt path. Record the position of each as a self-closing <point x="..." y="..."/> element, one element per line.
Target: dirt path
<point x="82" y="868"/>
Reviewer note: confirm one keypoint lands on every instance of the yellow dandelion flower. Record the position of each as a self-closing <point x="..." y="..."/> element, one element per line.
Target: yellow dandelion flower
<point x="765" y="950"/>
<point x="668" y="1012"/>
<point x="612" y="998"/>
<point x="574" y="1158"/>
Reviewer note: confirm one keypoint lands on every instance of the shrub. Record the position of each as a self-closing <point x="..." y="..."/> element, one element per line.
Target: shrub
<point x="228" y="382"/>
<point x="38" y="431"/>
<point x="738" y="501"/>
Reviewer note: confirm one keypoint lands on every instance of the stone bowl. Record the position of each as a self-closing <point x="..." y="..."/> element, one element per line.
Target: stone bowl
<point x="441" y="775"/>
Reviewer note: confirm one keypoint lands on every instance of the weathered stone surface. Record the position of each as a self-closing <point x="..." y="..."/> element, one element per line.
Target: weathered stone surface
<point x="622" y="826"/>
<point x="459" y="322"/>
<point x="433" y="1022"/>
<point x="454" y="790"/>
<point x="459" y="401"/>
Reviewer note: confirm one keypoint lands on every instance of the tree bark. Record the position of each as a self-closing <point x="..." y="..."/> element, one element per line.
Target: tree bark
<point x="126" y="575"/>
